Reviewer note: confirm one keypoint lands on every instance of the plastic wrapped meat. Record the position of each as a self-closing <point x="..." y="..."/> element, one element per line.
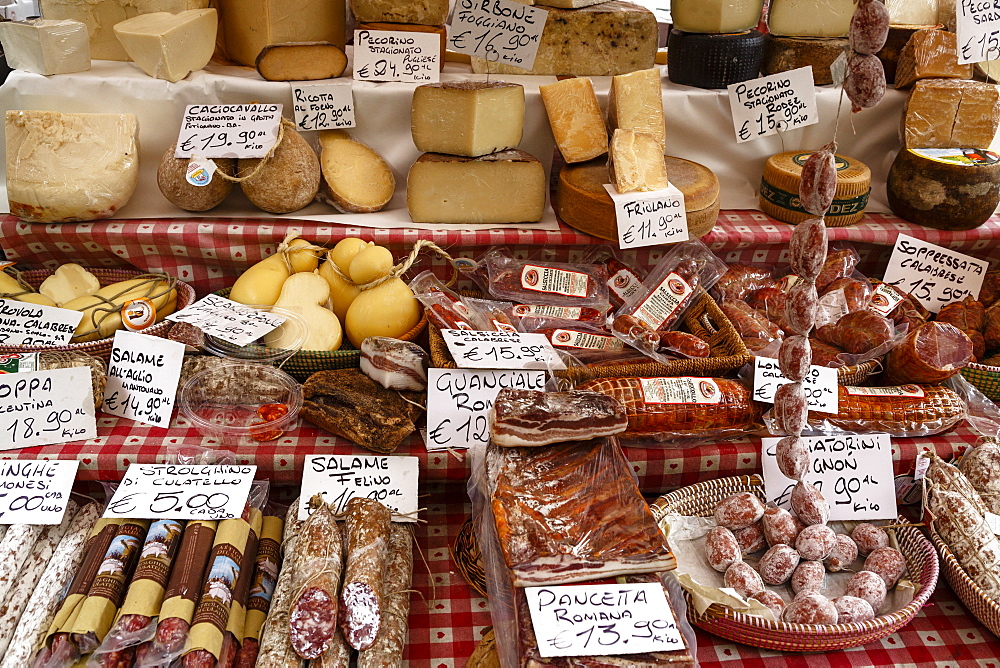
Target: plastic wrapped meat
<point x="394" y="364"/>
<point x="931" y="353"/>
<point x="857" y="332"/>
<point x="572" y="512"/>
<point x="857" y="292"/>
<point x="740" y="280"/>
<point x="839" y="264"/>
<point x="532" y="418"/>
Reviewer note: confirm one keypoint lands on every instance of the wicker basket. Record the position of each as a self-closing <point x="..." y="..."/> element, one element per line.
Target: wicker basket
<point x="305" y="363"/>
<point x="982" y="606"/>
<point x="102" y="347"/>
<point x="921" y="560"/>
<point x="855" y="375"/>
<point x="985" y="378"/>
<point x="467" y="557"/>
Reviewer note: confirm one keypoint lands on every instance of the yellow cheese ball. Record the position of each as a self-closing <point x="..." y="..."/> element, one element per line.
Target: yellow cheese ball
<point x="389" y="309"/>
<point x="370" y="264"/>
<point x="345" y="250"/>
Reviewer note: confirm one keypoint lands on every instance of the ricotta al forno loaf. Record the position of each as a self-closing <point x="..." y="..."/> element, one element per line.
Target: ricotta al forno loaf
<point x="70" y="167"/>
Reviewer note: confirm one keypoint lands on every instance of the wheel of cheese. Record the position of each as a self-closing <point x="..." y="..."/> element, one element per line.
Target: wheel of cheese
<point x="782" y="54"/>
<point x="944" y="188"/>
<point x="714" y="60"/>
<point x="583" y="203"/>
<point x="779" y="189"/>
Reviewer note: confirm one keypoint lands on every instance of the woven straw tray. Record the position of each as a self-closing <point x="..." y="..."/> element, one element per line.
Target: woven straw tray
<point x="986" y="379"/>
<point x="921" y="560"/>
<point x="102" y="347"/>
<point x="982" y="606"/>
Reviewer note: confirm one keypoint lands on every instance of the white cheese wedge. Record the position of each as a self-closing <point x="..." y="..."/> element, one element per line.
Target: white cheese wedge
<point x="250" y="25"/>
<point x="912" y="12"/>
<point x="46" y="46"/>
<point x="636" y="162"/>
<point x="635" y="102"/>
<point x="170" y="46"/>
<point x="469" y="118"/>
<point x="70" y="167"/>
<point x="810" y="18"/>
<point x="715" y="16"/>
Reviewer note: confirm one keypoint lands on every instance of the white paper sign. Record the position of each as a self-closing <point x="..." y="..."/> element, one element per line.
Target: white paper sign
<point x="604" y="620"/>
<point x="977" y="28"/>
<point x="772" y="104"/>
<point x="459" y="402"/>
<point x="501" y="350"/>
<point x="46" y="407"/>
<point x="228" y="320"/>
<point x="323" y="106"/>
<point x="820" y="385"/>
<point x="228" y="130"/>
<point x="142" y="378"/>
<point x="35" y="491"/>
<point x="649" y="218"/>
<point x="182" y="492"/>
<point x="396" y="55"/>
<point x="24" y="324"/>
<point x="392" y="480"/>
<point x="993" y="522"/>
<point x="854" y="472"/>
<point x="933" y="275"/>
<point x="500" y="31"/>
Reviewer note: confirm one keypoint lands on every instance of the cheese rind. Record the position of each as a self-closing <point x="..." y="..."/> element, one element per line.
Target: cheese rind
<point x="602" y="40"/>
<point x="575" y="118"/>
<point x="782" y="54"/>
<point x="930" y="54"/>
<point x="250" y="25"/>
<point x="635" y="162"/>
<point x="170" y="46"/>
<point x="569" y="4"/>
<point x="945" y="113"/>
<point x="635" y="102"/>
<point x="101" y="16"/>
<point x="426" y="12"/>
<point x="46" y="46"/>
<point x="469" y="118"/>
<point x="810" y="18"/>
<point x="715" y="16"/>
<point x="70" y="167"/>
<point x="504" y="187"/>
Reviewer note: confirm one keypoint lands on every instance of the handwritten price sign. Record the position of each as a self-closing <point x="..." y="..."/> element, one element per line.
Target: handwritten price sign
<point x="501" y="350"/>
<point x="500" y="31"/>
<point x="228" y="130"/>
<point x="228" y="320"/>
<point x="142" y="378"/>
<point x="35" y="492"/>
<point x="46" y="407"/>
<point x="182" y="492"/>
<point x="977" y="30"/>
<point x="772" y="104"/>
<point x="339" y="478"/>
<point x="395" y="55"/>
<point x="934" y="275"/>
<point x="323" y="106"/>
<point x="24" y="324"/>
<point x="649" y="218"/>
<point x="820" y="385"/>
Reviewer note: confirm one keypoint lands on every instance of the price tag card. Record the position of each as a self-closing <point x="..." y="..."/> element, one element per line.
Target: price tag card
<point x="24" y="324"/>
<point x="392" y="480"/>
<point x="395" y="55"/>
<point x="604" y="619"/>
<point x="182" y="492"/>
<point x="459" y="402"/>
<point x="228" y="130"/>
<point x="934" y="275"/>
<point x="228" y="320"/>
<point x="854" y="472"/>
<point x="142" y="378"/>
<point x="46" y="407"/>
<point x="35" y="491"/>
<point x="772" y="104"/>
<point x="501" y="350"/>
<point x="500" y="31"/>
<point x="649" y="218"/>
<point x="977" y="28"/>
<point x="323" y="106"/>
<point x="820" y="385"/>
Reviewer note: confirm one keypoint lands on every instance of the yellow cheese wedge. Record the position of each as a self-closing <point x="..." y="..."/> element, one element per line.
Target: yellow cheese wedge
<point x="575" y="118"/>
<point x="469" y="118"/>
<point x="636" y="162"/>
<point x="635" y="102"/>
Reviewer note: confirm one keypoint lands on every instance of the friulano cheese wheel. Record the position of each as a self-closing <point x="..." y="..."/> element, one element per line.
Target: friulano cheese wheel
<point x="779" y="189"/>
<point x="944" y="188"/>
<point x="714" y="61"/>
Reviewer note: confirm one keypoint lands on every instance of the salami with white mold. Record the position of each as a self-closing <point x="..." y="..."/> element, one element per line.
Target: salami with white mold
<point x="313" y="615"/>
<point x="360" y="611"/>
<point x="387" y="652"/>
<point x="276" y="649"/>
<point x="14" y="550"/>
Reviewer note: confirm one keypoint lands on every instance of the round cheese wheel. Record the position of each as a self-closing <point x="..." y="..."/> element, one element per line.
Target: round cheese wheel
<point x="944" y="188"/>
<point x="782" y="54"/>
<point x="779" y="189"/>
<point x="714" y="60"/>
<point x="584" y="204"/>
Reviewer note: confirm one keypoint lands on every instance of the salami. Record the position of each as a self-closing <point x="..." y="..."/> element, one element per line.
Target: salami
<point x="857" y="332"/>
<point x="387" y="652"/>
<point x="14" y="550"/>
<point x="367" y="547"/>
<point x="276" y="649"/>
<point x="839" y="264"/>
<point x="313" y="615"/>
<point x="742" y="279"/>
<point x="337" y="655"/>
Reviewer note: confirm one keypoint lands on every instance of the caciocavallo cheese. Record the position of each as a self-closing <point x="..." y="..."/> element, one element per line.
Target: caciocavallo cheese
<point x="70" y="167"/>
<point x="46" y="46"/>
<point x="575" y="118"/>
<point x="715" y="16"/>
<point x="100" y="17"/>
<point x="170" y="46"/>
<point x="250" y="25"/>
<point x="810" y="18"/>
<point x="469" y="118"/>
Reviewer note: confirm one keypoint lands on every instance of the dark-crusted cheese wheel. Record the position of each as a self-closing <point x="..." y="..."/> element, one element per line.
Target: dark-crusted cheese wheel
<point x="171" y="177"/>
<point x="931" y="353"/>
<point x="714" y="60"/>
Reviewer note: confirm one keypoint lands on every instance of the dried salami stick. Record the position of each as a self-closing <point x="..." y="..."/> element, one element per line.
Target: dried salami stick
<point x="276" y="649"/>
<point x="367" y="546"/>
<point x="14" y="550"/>
<point x="387" y="652"/>
<point x="313" y="616"/>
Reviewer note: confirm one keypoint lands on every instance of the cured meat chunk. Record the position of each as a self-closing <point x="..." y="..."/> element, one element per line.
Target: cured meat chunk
<point x="572" y="512"/>
<point x="931" y="353"/>
<point x="368" y="523"/>
<point x="742" y="279"/>
<point x="394" y="364"/>
<point x="857" y="332"/>
<point x="857" y="293"/>
<point x="749" y="323"/>
<point x="532" y="418"/>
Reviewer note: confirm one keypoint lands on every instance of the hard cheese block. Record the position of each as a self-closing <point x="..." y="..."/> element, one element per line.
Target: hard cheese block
<point x="636" y="162"/>
<point x="912" y="12"/>
<point x="441" y="31"/>
<point x="426" y="12"/>
<point x="810" y="18"/>
<point x="170" y="46"/>
<point x="70" y="167"/>
<point x="100" y="17"/>
<point x="782" y="54"/>
<point x="504" y="187"/>
<point x="946" y="113"/>
<point x="250" y="25"/>
<point x="635" y="102"/>
<point x="46" y="46"/>
<point x="929" y="54"/>
<point x="575" y="118"/>
<point x="469" y="118"/>
<point x="610" y="38"/>
<point x="715" y="16"/>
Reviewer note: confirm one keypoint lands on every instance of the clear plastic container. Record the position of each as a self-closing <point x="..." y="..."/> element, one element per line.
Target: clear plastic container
<point x="296" y="330"/>
<point x="228" y="402"/>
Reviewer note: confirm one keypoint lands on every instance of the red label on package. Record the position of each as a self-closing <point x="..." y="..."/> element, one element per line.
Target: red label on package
<point x="558" y="281"/>
<point x="684" y="390"/>
<point x="664" y="301"/>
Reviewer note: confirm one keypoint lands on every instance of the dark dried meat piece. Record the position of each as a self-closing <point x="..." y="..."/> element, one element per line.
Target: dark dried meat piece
<point x="532" y="418"/>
